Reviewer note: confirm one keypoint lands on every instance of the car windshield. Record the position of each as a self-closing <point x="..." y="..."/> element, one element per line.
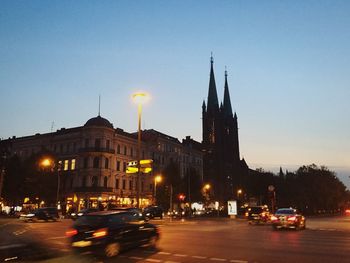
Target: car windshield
<point x="285" y="212"/>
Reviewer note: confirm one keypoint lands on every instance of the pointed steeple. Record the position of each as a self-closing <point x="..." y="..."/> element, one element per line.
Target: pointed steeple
<point x="227" y="100"/>
<point x="204" y="107"/>
<point x="213" y="103"/>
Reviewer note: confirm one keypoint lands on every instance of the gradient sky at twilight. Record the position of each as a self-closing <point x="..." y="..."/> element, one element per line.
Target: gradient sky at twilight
<point x="288" y="68"/>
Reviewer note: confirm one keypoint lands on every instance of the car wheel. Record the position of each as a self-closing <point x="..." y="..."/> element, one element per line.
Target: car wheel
<point x="153" y="242"/>
<point x="274" y="227"/>
<point x="112" y="249"/>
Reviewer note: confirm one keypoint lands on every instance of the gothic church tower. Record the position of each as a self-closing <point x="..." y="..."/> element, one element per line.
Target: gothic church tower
<point x="222" y="164"/>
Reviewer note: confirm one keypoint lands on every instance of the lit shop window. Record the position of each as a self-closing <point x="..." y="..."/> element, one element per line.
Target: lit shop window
<point x="66" y="163"/>
<point x="72" y="164"/>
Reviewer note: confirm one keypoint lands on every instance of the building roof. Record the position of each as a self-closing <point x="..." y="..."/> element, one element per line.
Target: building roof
<point x="98" y="121"/>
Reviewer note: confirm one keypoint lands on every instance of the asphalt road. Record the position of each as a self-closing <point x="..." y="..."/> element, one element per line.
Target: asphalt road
<point x="203" y="240"/>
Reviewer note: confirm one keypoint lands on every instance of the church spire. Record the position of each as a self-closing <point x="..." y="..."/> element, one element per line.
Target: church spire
<point x="227" y="100"/>
<point x="213" y="103"/>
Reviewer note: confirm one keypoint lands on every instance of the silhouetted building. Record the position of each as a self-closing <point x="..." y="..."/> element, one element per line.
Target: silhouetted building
<point x="222" y="165"/>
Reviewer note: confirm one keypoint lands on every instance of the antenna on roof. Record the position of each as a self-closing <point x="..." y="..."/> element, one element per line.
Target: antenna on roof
<point x="99" y="104"/>
<point x="52" y="125"/>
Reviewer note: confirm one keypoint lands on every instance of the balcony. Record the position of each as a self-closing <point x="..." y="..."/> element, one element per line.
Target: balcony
<point x="95" y="189"/>
<point x="97" y="149"/>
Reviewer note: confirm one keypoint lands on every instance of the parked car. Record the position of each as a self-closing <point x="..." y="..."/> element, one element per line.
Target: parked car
<point x="258" y="214"/>
<point x="127" y="209"/>
<point x="82" y="212"/>
<point x="151" y="212"/>
<point x="107" y="233"/>
<point x="288" y="218"/>
<point x="44" y="213"/>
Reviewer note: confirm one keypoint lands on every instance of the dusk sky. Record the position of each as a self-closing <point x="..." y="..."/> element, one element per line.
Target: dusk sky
<point x="288" y="66"/>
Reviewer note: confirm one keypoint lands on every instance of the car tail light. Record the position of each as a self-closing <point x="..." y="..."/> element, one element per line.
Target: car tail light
<point x="263" y="214"/>
<point x="274" y="218"/>
<point x="292" y="218"/>
<point x="71" y="232"/>
<point x="100" y="233"/>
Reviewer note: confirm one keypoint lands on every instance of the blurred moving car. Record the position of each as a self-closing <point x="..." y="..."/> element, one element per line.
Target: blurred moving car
<point x="82" y="212"/>
<point x="258" y="214"/>
<point x="288" y="218"/>
<point x="151" y="212"/>
<point x="44" y="213"/>
<point x="107" y="233"/>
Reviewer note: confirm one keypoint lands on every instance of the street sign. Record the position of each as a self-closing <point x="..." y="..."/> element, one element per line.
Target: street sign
<point x="232" y="208"/>
<point x="146" y="166"/>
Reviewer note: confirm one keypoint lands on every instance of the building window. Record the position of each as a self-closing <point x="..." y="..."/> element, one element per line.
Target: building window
<point x="130" y="184"/>
<point x="118" y="149"/>
<point x="118" y="165"/>
<point x="86" y="161"/>
<point x="86" y="143"/>
<point x="72" y="164"/>
<point x="74" y="146"/>
<point x="107" y="144"/>
<point x="125" y="150"/>
<point x="96" y="162"/>
<point x="97" y="143"/>
<point x="106" y="163"/>
<point x="116" y="183"/>
<point x="131" y="152"/>
<point x="105" y="181"/>
<point x="124" y="166"/>
<point x="94" y="181"/>
<point x="142" y="186"/>
<point x="124" y="184"/>
<point x="66" y="164"/>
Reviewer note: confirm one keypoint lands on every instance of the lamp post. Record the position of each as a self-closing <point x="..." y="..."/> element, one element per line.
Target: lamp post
<point x="157" y="179"/>
<point x="49" y="163"/>
<point x="139" y="98"/>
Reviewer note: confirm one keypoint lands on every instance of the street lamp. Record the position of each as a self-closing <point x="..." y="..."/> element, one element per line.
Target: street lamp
<point x="139" y="98"/>
<point x="239" y="192"/>
<point x="157" y="179"/>
<point x="49" y="163"/>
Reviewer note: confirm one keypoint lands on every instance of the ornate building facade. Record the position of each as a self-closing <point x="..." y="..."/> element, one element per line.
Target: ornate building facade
<point x="93" y="161"/>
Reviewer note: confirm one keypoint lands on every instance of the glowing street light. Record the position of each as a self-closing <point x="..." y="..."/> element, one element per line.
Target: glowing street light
<point x="207" y="186"/>
<point x="157" y="179"/>
<point x="49" y="163"/>
<point x="139" y="98"/>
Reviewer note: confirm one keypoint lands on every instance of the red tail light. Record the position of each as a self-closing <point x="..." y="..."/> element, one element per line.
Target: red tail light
<point x="100" y="233"/>
<point x="71" y="232"/>
<point x="273" y="218"/>
<point x="292" y="218"/>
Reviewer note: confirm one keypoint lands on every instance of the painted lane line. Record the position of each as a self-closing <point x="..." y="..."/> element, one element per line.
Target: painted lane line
<point x="172" y="261"/>
<point x="218" y="259"/>
<point x="199" y="257"/>
<point x="180" y="255"/>
<point x="52" y="238"/>
<point x="238" y="261"/>
<point x="163" y="253"/>
<point x="136" y="258"/>
<point x="153" y="260"/>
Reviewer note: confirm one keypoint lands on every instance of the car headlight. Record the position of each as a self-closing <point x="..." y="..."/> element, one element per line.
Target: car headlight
<point x="30" y="215"/>
<point x="80" y="214"/>
<point x="73" y="214"/>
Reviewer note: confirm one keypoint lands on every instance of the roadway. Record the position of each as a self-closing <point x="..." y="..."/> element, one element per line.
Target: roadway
<point x="202" y="240"/>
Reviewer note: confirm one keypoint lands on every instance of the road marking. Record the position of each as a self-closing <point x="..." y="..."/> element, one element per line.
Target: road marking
<point x="238" y="261"/>
<point x="136" y="258"/>
<point x="153" y="260"/>
<point x="180" y="255"/>
<point x="164" y="253"/>
<point x="218" y="259"/>
<point x="199" y="257"/>
<point x="8" y="259"/>
<point x="171" y="261"/>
